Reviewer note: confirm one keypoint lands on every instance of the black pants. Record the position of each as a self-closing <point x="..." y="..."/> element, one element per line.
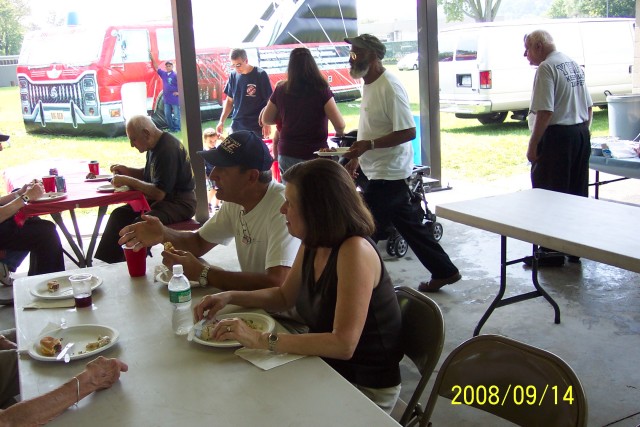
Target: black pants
<point x="168" y="212"/>
<point x="40" y="238"/>
<point x="390" y="203"/>
<point x="563" y="160"/>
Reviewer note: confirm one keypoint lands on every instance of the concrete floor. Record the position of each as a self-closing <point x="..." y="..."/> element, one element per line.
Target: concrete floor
<point x="600" y="331"/>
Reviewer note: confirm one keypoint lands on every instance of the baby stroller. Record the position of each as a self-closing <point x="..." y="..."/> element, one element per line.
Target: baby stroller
<point x="419" y="184"/>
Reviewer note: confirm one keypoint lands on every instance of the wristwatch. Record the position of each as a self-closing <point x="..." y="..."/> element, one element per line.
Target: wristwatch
<point x="373" y="143"/>
<point x="272" y="341"/>
<point x="25" y="198"/>
<point x="203" y="279"/>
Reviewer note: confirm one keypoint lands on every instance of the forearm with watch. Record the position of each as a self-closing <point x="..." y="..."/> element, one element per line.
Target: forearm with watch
<point x="393" y="139"/>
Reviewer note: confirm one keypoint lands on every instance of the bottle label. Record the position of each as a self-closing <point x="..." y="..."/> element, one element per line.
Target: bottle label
<point x="177" y="297"/>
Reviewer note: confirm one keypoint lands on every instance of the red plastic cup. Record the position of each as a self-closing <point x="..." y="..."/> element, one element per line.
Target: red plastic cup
<point x="49" y="183"/>
<point x="94" y="167"/>
<point x="136" y="261"/>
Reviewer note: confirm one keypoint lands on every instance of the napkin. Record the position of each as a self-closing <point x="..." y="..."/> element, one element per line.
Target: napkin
<point x="265" y="359"/>
<point x="50" y="304"/>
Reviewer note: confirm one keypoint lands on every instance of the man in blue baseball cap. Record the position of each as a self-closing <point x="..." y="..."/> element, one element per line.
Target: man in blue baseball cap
<point x="250" y="215"/>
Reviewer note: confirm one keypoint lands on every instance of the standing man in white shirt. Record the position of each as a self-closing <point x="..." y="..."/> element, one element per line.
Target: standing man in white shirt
<point x="385" y="155"/>
<point x="561" y="108"/>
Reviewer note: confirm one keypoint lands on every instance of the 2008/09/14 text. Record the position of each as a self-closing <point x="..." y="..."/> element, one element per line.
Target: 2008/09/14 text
<point x="530" y="395"/>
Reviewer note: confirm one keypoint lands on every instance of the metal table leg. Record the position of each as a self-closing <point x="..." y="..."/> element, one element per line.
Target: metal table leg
<point x="102" y="210"/>
<point x="500" y="302"/>
<point x="80" y="261"/>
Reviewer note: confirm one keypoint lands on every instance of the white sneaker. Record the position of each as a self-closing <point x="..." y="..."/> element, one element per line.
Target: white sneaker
<point x="5" y="275"/>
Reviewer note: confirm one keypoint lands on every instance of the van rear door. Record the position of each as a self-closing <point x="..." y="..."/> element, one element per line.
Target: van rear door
<point x="608" y="65"/>
<point x="459" y="72"/>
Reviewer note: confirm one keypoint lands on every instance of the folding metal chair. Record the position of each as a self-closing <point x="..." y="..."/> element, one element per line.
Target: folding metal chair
<point x="512" y="380"/>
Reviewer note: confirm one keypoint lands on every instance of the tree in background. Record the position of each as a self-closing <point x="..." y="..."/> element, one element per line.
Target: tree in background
<point x="480" y="11"/>
<point x="11" y="30"/>
<point x="592" y="9"/>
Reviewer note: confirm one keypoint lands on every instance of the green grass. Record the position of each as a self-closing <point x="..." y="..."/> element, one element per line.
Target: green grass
<point x="470" y="151"/>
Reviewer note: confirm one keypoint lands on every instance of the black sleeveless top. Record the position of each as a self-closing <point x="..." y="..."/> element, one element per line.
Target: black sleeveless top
<point x="375" y="362"/>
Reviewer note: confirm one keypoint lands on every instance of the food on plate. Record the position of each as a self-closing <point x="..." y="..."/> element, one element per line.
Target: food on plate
<point x="53" y="285"/>
<point x="168" y="246"/>
<point x="49" y="346"/>
<point x="206" y="333"/>
<point x="94" y="345"/>
<point x="326" y="150"/>
<point x="90" y="176"/>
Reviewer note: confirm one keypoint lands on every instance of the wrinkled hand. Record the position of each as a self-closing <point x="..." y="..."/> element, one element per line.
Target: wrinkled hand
<point x="357" y="149"/>
<point x="210" y="304"/>
<point x="7" y="344"/>
<point x="147" y="233"/>
<point x="266" y="131"/>
<point x="237" y="329"/>
<point x="352" y="168"/>
<point x="103" y="372"/>
<point x="531" y="155"/>
<point x="35" y="191"/>
<point x="119" y="169"/>
<point x="119" y="180"/>
<point x="191" y="266"/>
<point x="220" y="128"/>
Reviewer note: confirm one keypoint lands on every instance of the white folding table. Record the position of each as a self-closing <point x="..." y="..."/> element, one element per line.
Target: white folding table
<point x="598" y="230"/>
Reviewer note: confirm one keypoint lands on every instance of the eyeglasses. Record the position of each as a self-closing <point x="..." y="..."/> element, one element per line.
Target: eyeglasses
<point x="353" y="55"/>
<point x="246" y="236"/>
<point x="238" y="65"/>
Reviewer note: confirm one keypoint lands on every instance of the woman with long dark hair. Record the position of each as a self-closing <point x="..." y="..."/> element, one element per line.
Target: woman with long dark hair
<point x="301" y="107"/>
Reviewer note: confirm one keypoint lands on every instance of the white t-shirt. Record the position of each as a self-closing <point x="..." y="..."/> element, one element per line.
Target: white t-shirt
<point x="385" y="108"/>
<point x="559" y="86"/>
<point x="271" y="244"/>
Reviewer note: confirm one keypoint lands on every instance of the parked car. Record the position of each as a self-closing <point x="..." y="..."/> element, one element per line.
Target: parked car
<point x="408" y="62"/>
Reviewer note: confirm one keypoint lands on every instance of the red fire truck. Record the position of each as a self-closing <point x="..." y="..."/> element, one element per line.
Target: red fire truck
<point x="85" y="80"/>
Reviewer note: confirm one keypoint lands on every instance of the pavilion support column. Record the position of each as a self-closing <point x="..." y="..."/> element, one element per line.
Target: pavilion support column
<point x="429" y="85"/>
<point x="189" y="97"/>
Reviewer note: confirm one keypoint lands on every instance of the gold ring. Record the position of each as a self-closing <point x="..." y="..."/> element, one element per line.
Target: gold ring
<point x="228" y="328"/>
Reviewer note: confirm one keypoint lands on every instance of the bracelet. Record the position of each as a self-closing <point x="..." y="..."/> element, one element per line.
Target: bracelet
<point x="77" y="390"/>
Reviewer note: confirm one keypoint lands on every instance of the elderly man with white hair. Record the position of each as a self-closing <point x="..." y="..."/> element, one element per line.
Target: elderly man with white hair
<point x="166" y="181"/>
<point x="561" y="110"/>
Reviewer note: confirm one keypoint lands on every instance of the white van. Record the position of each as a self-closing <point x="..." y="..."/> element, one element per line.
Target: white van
<point x="484" y="74"/>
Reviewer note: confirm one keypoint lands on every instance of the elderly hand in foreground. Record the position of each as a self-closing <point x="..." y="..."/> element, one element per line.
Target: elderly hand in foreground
<point x="103" y="373"/>
<point x="147" y="233"/>
<point x="191" y="266"/>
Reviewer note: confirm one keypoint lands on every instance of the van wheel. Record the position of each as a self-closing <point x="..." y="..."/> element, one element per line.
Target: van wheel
<point x="494" y="118"/>
<point x="415" y="66"/>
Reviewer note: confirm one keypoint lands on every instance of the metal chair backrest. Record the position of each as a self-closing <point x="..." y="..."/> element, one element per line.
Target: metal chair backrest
<point x="512" y="380"/>
<point x="423" y="339"/>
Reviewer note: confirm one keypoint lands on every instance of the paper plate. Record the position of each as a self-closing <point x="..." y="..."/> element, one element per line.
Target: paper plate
<point x="339" y="151"/>
<point x="81" y="335"/>
<point x="261" y="322"/>
<point x="107" y="188"/>
<point x="49" y="197"/>
<point x="64" y="291"/>
<point x="165" y="276"/>
<point x="99" y="178"/>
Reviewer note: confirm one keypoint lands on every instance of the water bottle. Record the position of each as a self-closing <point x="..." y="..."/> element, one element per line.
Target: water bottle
<point x="180" y="298"/>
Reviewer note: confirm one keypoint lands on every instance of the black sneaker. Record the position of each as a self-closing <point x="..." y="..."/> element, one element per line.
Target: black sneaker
<point x="552" y="261"/>
<point x="573" y="259"/>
